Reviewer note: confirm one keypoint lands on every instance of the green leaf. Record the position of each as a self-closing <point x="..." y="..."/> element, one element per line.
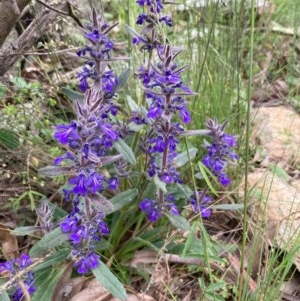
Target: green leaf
<point x="125" y="151"/>
<point x="9" y="139"/>
<point x="101" y="203"/>
<point x="160" y="184"/>
<point x="57" y="257"/>
<point x="49" y="241"/>
<point x="73" y="95"/>
<point x="54" y="171"/>
<point x="178" y="221"/>
<point x="190" y="238"/>
<point x="123" y="198"/>
<point x="20" y="82"/>
<point x="279" y="172"/>
<point x="4" y="297"/>
<point x="110" y="281"/>
<point x="134" y="107"/>
<point x="228" y="207"/>
<point x="46" y="283"/>
<point x="123" y="78"/>
<point x="2" y="90"/>
<point x="21" y="231"/>
<point x="204" y="172"/>
<point x="183" y="157"/>
<point x="131" y="31"/>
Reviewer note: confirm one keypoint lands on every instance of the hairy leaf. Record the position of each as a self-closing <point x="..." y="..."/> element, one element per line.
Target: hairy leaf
<point x="57" y="257"/>
<point x="72" y="95"/>
<point x="123" y="198"/>
<point x="125" y="151"/>
<point x="183" y="158"/>
<point x="160" y="184"/>
<point x="20" y="231"/>
<point x="178" y="221"/>
<point x="49" y="241"/>
<point x="227" y="206"/>
<point x="101" y="203"/>
<point x="123" y="78"/>
<point x="54" y="171"/>
<point x="110" y="281"/>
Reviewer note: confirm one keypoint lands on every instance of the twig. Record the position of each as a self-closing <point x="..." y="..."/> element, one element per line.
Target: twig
<point x="70" y="12"/>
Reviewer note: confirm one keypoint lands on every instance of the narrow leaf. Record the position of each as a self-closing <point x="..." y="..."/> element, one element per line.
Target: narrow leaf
<point x="110" y="281"/>
<point x="195" y="133"/>
<point x="123" y="198"/>
<point x="131" y="31"/>
<point x="9" y="139"/>
<point x="160" y="184"/>
<point x="47" y="282"/>
<point x="183" y="158"/>
<point x="134" y="107"/>
<point x="57" y="257"/>
<point x="125" y="151"/>
<point x="101" y="203"/>
<point x="228" y="207"/>
<point x="123" y="78"/>
<point x="204" y="171"/>
<point x="280" y="172"/>
<point x="49" y="241"/>
<point x="54" y="171"/>
<point x="20" y="231"/>
<point x="178" y="221"/>
<point x="72" y="95"/>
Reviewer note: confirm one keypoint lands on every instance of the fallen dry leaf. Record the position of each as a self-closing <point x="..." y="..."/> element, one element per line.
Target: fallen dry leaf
<point x="73" y="287"/>
<point x="93" y="291"/>
<point x="64" y="279"/>
<point x="9" y="243"/>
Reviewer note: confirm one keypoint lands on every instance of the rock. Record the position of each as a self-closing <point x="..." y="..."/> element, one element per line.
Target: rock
<point x="278" y="131"/>
<point x="274" y="205"/>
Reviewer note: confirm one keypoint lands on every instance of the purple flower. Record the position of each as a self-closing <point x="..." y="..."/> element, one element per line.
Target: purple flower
<point x="100" y="225"/>
<point x="79" y="235"/>
<point x="100" y="49"/>
<point x="94" y="36"/>
<point x="65" y="132"/>
<point x="155" y="6"/>
<point x="87" y="263"/>
<point x="67" y="156"/>
<point x="70" y="224"/>
<point x="109" y="131"/>
<point x="113" y="183"/>
<point x="13" y="267"/>
<point x="151" y="209"/>
<point x="170" y="175"/>
<point x="141" y="19"/>
<point x="157" y="145"/>
<point x="201" y="207"/>
<point x="81" y="183"/>
<point x="219" y="150"/>
<point x="170" y="203"/>
<point x="185" y="115"/>
<point x="167" y="20"/>
<point x="154" y="209"/>
<point x="109" y="81"/>
<point x="95" y="182"/>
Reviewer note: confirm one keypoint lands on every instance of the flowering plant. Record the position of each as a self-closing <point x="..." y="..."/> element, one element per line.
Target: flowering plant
<point x="118" y="164"/>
